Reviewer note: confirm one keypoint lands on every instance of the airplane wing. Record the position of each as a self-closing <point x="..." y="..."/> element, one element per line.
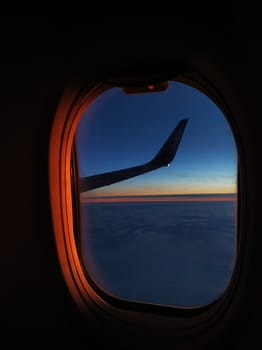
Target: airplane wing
<point x="163" y="158"/>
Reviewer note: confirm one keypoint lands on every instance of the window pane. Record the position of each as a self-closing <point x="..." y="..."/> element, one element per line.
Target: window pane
<point x="167" y="236"/>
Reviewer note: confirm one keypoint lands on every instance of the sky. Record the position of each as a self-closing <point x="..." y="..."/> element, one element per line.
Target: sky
<point x="121" y="130"/>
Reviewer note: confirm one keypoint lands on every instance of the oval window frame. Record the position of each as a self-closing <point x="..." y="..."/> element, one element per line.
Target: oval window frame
<point x="90" y="298"/>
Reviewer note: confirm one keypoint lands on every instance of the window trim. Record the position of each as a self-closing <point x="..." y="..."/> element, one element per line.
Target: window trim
<point x="96" y="304"/>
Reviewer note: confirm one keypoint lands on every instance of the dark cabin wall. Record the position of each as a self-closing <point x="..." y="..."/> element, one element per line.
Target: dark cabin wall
<point x="38" y="59"/>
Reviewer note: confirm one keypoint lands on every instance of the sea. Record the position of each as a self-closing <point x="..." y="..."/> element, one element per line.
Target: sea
<point x="165" y="250"/>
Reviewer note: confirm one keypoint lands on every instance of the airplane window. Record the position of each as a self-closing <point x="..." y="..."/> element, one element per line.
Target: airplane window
<point x="158" y="194"/>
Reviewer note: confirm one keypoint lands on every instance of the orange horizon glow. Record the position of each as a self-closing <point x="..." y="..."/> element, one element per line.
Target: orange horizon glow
<point x="196" y="189"/>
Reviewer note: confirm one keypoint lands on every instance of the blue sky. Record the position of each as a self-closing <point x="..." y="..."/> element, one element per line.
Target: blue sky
<point x="120" y="130"/>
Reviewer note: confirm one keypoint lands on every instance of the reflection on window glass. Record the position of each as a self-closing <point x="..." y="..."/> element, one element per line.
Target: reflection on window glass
<point x="168" y="235"/>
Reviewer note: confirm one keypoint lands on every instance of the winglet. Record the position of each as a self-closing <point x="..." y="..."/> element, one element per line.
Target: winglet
<point x="168" y="151"/>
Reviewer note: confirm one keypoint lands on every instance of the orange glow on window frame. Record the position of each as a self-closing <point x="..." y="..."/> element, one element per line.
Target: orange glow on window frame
<point x="61" y="141"/>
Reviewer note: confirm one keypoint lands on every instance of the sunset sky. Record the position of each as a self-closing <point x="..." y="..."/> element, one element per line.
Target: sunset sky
<point x="119" y="131"/>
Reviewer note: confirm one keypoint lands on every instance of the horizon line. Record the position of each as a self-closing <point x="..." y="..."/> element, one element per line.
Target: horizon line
<point x="194" y="197"/>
